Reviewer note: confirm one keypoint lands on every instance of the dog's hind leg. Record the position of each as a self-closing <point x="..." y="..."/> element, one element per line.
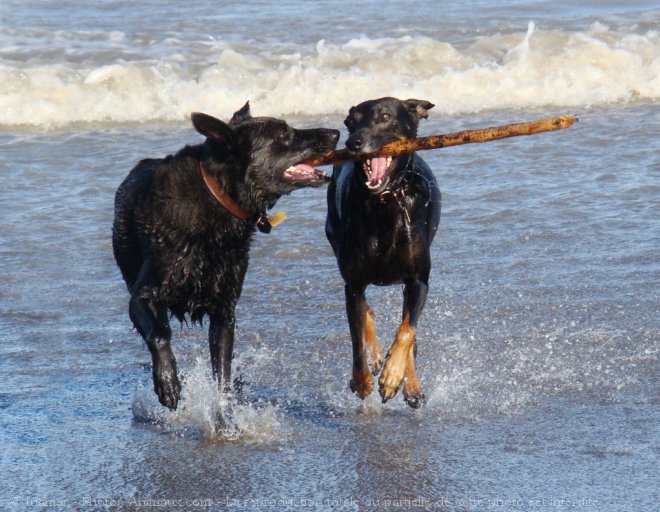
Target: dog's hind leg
<point x="400" y="364"/>
<point x="375" y="355"/>
<point x="221" y="345"/>
<point x="412" y="389"/>
<point x="152" y="323"/>
<point x="362" y="383"/>
<point x="414" y="301"/>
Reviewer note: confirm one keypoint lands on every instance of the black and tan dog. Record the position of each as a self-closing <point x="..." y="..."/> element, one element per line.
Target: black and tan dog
<point x="383" y="214"/>
<point x="183" y="226"/>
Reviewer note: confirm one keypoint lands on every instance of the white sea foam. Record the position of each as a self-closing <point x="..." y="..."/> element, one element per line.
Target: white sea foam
<point x="529" y="69"/>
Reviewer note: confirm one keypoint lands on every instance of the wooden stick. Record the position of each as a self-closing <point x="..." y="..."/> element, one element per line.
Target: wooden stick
<point x="402" y="146"/>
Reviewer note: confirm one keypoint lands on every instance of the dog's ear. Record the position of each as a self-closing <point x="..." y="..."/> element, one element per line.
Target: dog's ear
<point x="419" y="108"/>
<point x="212" y="128"/>
<point x="349" y="121"/>
<point x="241" y="115"/>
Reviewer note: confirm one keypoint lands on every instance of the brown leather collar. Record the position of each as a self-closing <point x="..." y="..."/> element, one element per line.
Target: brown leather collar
<point x="260" y="219"/>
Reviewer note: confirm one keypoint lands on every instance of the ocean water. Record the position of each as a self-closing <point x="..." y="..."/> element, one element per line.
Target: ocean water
<point x="538" y="347"/>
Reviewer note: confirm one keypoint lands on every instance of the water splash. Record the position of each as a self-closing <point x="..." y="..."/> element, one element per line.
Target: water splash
<point x="521" y="52"/>
<point x="204" y="411"/>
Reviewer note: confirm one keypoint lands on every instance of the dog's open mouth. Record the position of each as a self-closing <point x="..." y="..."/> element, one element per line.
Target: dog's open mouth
<point x="303" y="174"/>
<point x="376" y="170"/>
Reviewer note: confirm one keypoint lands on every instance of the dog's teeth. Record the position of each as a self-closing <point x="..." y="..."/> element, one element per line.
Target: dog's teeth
<point x="389" y="160"/>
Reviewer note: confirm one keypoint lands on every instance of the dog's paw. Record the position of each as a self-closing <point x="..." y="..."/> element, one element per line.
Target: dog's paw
<point x="412" y="393"/>
<point x="362" y="384"/>
<point x="398" y="362"/>
<point x="393" y="373"/>
<point x="390" y="382"/>
<point x="412" y="389"/>
<point x="376" y="363"/>
<point x="415" y="402"/>
<point x="166" y="383"/>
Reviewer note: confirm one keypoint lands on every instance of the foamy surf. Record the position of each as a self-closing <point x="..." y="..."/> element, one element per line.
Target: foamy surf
<point x="167" y="80"/>
<point x="204" y="411"/>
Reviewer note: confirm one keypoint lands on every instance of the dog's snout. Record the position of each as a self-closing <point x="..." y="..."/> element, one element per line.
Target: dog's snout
<point x="323" y="139"/>
<point x="355" y="143"/>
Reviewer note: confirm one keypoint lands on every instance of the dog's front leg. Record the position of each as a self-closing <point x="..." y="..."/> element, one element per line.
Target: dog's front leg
<point x="221" y="345"/>
<point x="153" y="325"/>
<point x="362" y="383"/>
<point x="400" y="365"/>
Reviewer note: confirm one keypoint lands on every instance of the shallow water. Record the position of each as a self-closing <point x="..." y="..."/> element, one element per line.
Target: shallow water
<point x="538" y="348"/>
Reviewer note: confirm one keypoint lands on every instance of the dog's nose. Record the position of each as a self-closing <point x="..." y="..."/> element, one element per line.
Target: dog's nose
<point x="354" y="143"/>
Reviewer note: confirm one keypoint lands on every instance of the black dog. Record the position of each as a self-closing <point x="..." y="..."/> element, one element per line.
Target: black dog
<point x="183" y="226"/>
<point x="383" y="214"/>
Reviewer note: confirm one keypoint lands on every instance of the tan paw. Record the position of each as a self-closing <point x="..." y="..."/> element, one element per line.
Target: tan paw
<point x="392" y="377"/>
<point x="398" y="358"/>
<point x="362" y="384"/>
<point x="413" y="394"/>
<point x="376" y="363"/>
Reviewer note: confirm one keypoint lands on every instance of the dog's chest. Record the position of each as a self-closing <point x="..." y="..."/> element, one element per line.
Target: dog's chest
<point x="388" y="242"/>
<point x="383" y="233"/>
<point x="215" y="249"/>
<point x="206" y="263"/>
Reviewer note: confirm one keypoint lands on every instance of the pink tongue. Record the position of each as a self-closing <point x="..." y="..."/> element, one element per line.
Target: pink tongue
<point x="378" y="168"/>
<point x="306" y="168"/>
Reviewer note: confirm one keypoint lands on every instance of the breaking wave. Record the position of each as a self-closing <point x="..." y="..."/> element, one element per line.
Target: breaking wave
<point x="113" y="80"/>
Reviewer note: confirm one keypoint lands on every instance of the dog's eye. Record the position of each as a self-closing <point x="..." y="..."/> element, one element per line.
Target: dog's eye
<point x="286" y="136"/>
<point x="384" y="117"/>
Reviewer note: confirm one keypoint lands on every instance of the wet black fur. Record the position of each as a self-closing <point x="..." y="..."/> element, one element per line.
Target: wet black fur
<point x="383" y="236"/>
<point x="180" y="250"/>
